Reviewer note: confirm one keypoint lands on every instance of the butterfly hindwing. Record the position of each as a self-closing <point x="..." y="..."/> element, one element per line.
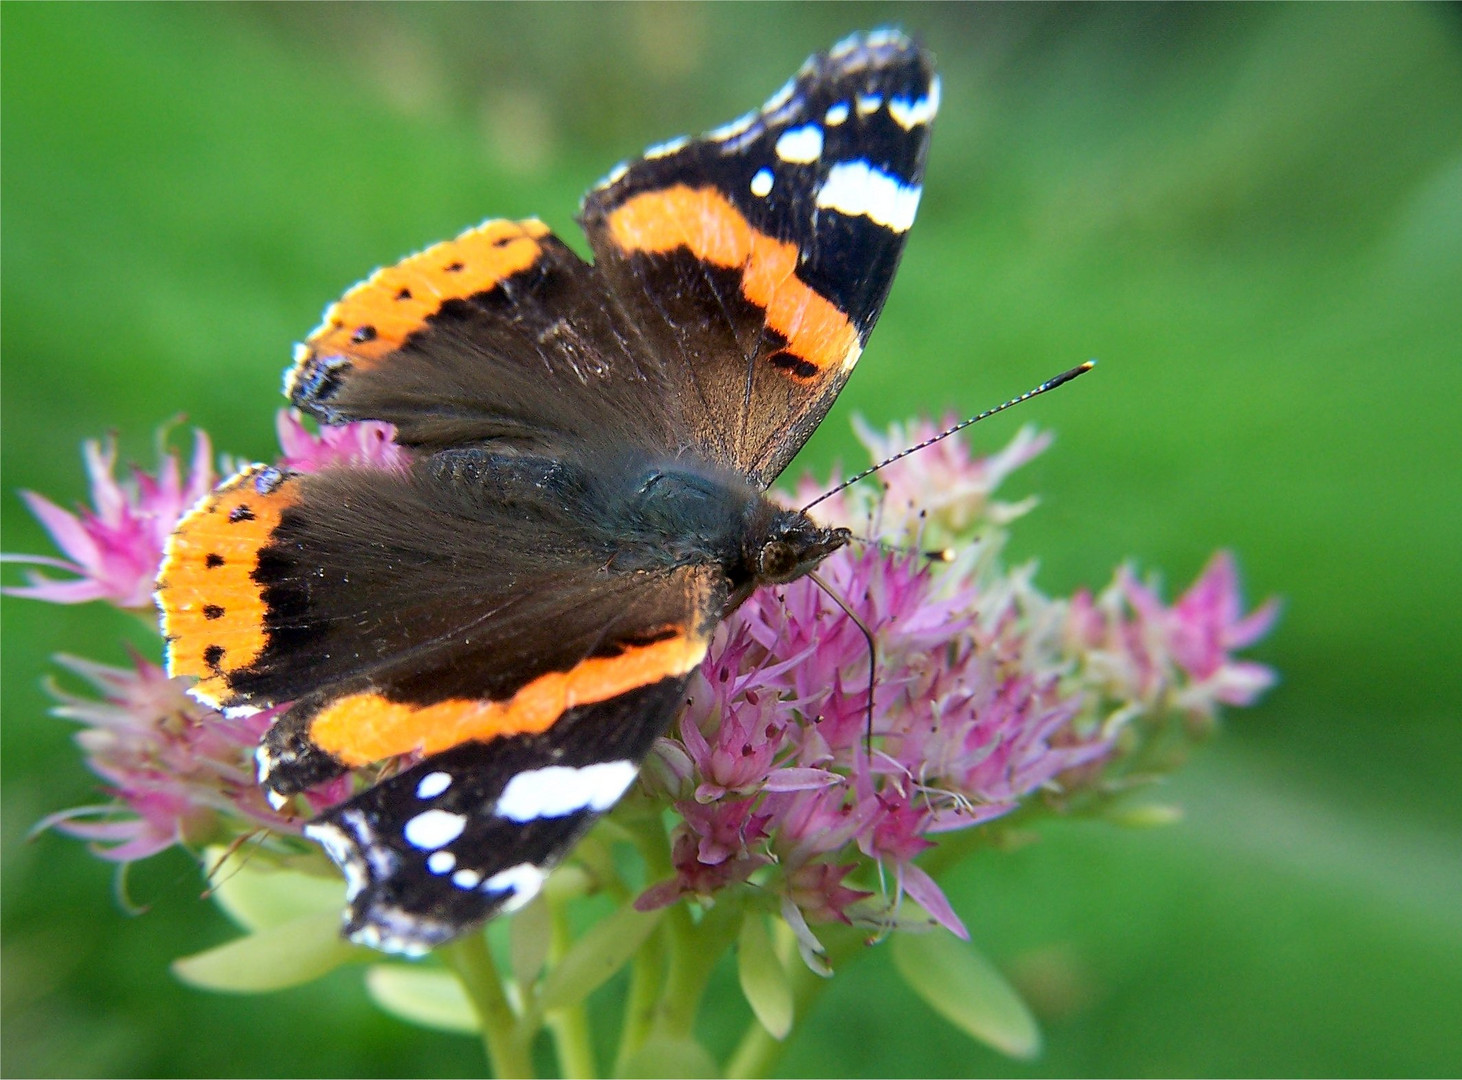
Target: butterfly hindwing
<point x="474" y="830"/>
<point x="759" y="256"/>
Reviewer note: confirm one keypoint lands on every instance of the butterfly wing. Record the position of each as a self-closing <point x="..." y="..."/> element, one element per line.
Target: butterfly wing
<point x="502" y="334"/>
<point x="759" y="256"/>
<point x="474" y="830"/>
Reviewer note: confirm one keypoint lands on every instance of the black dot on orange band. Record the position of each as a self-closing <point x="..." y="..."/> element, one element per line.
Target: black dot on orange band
<point x="213" y="655"/>
<point x="242" y="512"/>
<point x="453" y="268"/>
<point x="212" y="611"/>
<point x="404" y="294"/>
<point x="363" y="334"/>
<point x="213" y="560"/>
<point x="803" y="369"/>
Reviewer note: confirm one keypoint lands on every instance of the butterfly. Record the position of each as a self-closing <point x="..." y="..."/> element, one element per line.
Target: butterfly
<point x="522" y="606"/>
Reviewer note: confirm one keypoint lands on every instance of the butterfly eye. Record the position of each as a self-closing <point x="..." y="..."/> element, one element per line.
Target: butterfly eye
<point x="778" y="561"/>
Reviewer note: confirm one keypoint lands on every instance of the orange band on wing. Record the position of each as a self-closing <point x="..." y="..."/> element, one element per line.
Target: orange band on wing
<point x="213" y="612"/>
<point x="363" y="728"/>
<point x="374" y="318"/>
<point x="706" y="223"/>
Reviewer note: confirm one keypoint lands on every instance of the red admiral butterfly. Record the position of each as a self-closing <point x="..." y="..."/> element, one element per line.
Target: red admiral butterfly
<point x="590" y="448"/>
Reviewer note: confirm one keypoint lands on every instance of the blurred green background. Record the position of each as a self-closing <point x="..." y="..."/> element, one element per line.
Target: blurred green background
<point x="1252" y="215"/>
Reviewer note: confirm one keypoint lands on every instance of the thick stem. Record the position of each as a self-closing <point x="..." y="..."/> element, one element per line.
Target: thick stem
<point x="507" y="1050"/>
<point x="694" y="950"/>
<point x="646" y="976"/>
<point x="569" y="1026"/>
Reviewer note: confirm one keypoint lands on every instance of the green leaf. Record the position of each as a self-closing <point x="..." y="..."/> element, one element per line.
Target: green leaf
<point x="296" y="952"/>
<point x="958" y="983"/>
<point x="763" y="978"/>
<point x="257" y="893"/>
<point x="662" y="1056"/>
<point x="596" y="956"/>
<point x="530" y="933"/>
<point x="1145" y="816"/>
<point x="428" y="997"/>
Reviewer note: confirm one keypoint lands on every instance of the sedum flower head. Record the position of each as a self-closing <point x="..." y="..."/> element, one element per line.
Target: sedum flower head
<point x="115" y="545"/>
<point x="178" y="772"/>
<point x="366" y="443"/>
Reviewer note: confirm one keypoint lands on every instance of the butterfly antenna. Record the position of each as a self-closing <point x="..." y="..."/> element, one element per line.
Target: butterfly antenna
<point x="931" y="554"/>
<point x="1049" y="384"/>
<point x="872" y="652"/>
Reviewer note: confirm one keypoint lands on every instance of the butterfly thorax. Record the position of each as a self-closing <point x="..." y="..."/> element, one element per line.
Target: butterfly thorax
<point x="650" y="514"/>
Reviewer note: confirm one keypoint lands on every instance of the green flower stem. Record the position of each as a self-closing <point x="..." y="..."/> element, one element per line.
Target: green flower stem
<point x="693" y="952"/>
<point x="569" y="1026"/>
<point x="507" y="1050"/>
<point x="758" y="1050"/>
<point x="647" y="974"/>
<point x="687" y="951"/>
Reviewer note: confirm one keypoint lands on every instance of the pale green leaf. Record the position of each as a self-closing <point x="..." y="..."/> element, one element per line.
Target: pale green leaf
<point x="966" y="989"/>
<point x="596" y="956"/>
<point x="661" y="1057"/>
<point x="1145" y="816"/>
<point x="257" y="893"/>
<point x="763" y="978"/>
<point x="296" y="952"/>
<point x="427" y="997"/>
<point x="530" y="933"/>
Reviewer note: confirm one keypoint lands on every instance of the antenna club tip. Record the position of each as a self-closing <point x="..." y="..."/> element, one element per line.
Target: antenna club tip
<point x="1087" y="366"/>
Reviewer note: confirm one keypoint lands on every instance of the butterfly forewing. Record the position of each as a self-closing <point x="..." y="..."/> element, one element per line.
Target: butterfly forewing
<point x="759" y="256"/>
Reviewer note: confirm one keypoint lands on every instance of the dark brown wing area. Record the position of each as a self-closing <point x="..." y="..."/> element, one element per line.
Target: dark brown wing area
<point x="502" y="334"/>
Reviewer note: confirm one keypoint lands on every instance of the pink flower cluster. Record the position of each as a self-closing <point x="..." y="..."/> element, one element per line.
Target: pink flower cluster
<point x="175" y="768"/>
<point x="115" y="546"/>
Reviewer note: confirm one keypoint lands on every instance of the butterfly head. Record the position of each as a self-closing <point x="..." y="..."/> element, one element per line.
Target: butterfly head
<point x="791" y="546"/>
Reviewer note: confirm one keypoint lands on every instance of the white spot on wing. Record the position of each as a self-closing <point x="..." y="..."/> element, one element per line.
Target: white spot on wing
<point x="885" y="36"/>
<point x="869" y="103"/>
<point x="910" y="114"/>
<point x="665" y="149"/>
<point x="524" y="880"/>
<point x="781" y="97"/>
<point x="761" y="183"/>
<point x="466" y="879"/>
<point x="341" y="848"/>
<point x="734" y="128"/>
<point x="858" y="189"/>
<point x="801" y="145"/>
<point x="432" y="829"/>
<point x="433" y="784"/>
<point x="837" y="114"/>
<point x="616" y="174"/>
<point x="562" y="789"/>
<point x="441" y="862"/>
